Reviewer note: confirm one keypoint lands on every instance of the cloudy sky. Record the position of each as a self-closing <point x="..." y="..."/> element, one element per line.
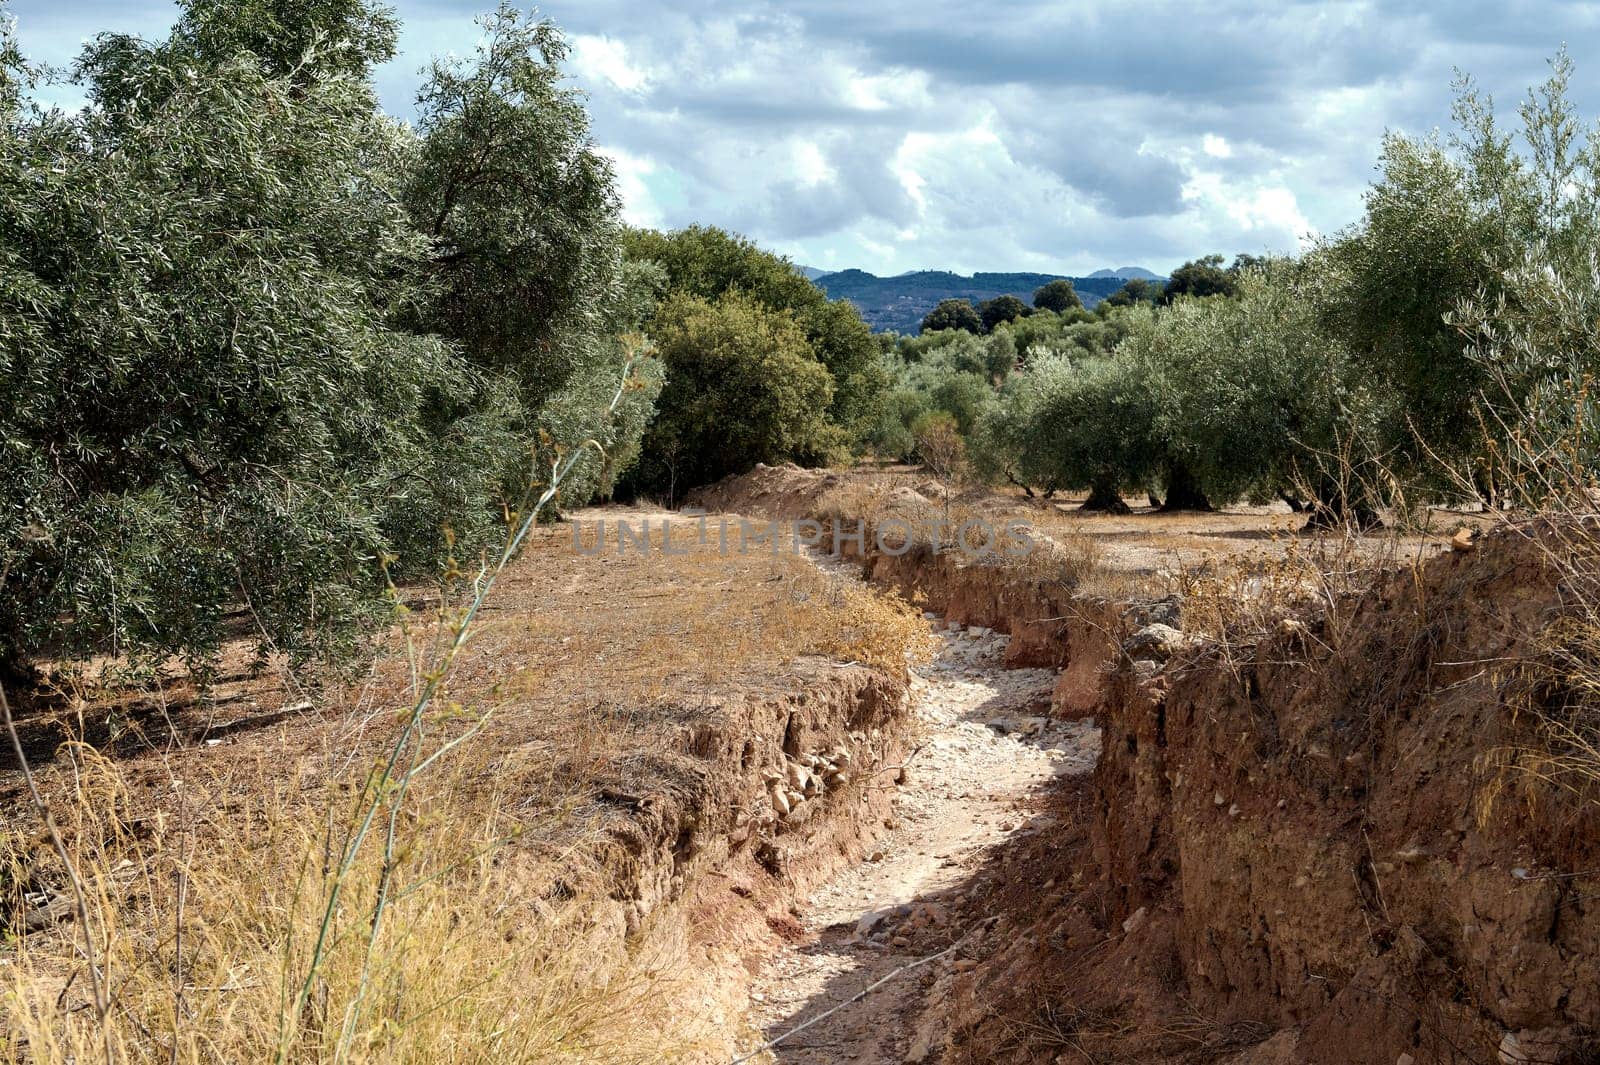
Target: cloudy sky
<point x="1044" y="135"/>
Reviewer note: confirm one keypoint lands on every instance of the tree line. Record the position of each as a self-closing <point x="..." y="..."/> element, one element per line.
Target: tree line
<point x="1434" y="350"/>
<point x="265" y="349"/>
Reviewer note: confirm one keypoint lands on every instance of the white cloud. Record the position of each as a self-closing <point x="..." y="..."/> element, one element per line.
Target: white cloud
<point x="810" y="165"/>
<point x="605" y="57"/>
<point x="1064" y="137"/>
<point x="639" y="206"/>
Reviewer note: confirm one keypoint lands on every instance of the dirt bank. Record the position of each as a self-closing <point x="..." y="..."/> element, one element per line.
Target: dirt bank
<point x="984" y="752"/>
<point x="1042" y="605"/>
<point x="1304" y="847"/>
<point x="665" y="752"/>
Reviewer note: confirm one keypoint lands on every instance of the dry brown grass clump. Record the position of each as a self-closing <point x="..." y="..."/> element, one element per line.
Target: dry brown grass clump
<point x="203" y="933"/>
<point x="1244" y="597"/>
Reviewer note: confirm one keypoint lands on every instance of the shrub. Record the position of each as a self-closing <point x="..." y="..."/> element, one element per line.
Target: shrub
<point x="953" y="314"/>
<point x="708" y="262"/>
<point x="742" y="387"/>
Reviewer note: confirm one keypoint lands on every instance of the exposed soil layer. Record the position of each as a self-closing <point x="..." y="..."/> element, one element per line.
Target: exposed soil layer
<point x="1304" y="844"/>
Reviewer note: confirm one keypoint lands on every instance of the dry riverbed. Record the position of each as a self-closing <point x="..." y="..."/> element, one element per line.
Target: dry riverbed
<point x="986" y="749"/>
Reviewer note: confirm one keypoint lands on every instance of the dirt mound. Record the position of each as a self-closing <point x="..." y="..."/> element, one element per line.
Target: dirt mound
<point x="780" y="493"/>
<point x="1301" y="851"/>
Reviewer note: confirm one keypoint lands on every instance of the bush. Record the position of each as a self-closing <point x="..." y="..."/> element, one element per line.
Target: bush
<point x="941" y="449"/>
<point x="1199" y="278"/>
<point x="953" y="314"/>
<point x="742" y="387"/>
<point x="708" y="262"/>
<point x="1134" y="291"/>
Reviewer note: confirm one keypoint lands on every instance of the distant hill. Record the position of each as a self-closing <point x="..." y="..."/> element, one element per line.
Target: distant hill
<point x="899" y="303"/>
<point x="1128" y="273"/>
<point x="811" y="273"/>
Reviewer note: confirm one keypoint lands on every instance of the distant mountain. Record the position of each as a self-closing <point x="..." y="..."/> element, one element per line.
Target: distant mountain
<point x="1127" y="273"/>
<point x="811" y="273"/>
<point x="899" y="303"/>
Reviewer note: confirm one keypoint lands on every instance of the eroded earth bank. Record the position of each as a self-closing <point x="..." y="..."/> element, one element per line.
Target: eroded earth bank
<point x="1359" y="828"/>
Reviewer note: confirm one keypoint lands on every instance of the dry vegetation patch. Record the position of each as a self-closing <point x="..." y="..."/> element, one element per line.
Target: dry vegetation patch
<point x="567" y="729"/>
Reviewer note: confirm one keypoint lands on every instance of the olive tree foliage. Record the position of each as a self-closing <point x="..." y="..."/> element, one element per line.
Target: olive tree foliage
<point x="1532" y="337"/>
<point x="1250" y="397"/>
<point x="950" y="373"/>
<point x="1449" y="221"/>
<point x="1539" y="349"/>
<point x="1079" y="334"/>
<point x="1063" y="423"/>
<point x="524" y="270"/>
<point x="993" y="356"/>
<point x="215" y="394"/>
<point x="742" y="387"/>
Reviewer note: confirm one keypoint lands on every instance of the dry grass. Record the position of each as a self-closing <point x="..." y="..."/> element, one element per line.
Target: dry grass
<point x="1553" y="692"/>
<point x="203" y="930"/>
<point x="1544" y="467"/>
<point x="213" y="871"/>
<point x="1244" y="597"/>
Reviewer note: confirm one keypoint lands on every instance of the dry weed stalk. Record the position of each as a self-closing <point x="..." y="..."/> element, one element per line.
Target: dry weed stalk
<point x="1538" y="481"/>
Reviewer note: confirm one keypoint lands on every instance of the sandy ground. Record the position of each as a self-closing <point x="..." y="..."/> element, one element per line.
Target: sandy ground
<point x="986" y="748"/>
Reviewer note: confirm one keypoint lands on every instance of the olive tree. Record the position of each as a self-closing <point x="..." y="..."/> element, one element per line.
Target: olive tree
<point x="1249" y="395"/>
<point x="236" y="371"/>
<point x="1071" y="424"/>
<point x="524" y="267"/>
<point x="1445" y="222"/>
